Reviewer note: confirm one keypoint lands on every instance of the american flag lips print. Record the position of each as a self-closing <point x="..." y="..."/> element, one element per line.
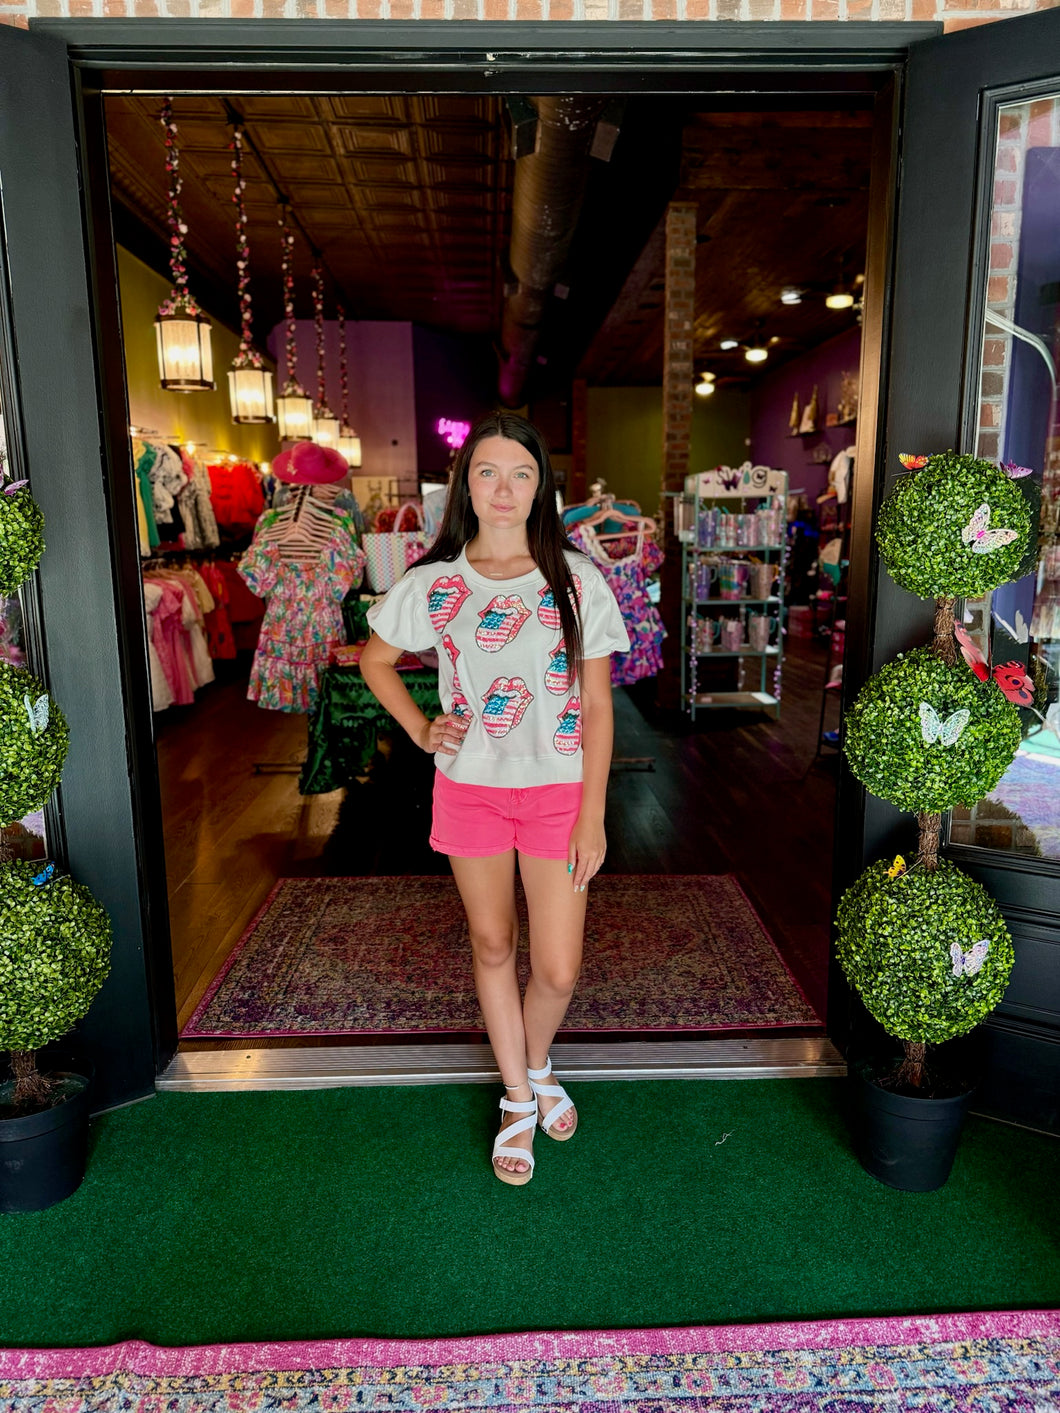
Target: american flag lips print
<point x="547" y="612"/>
<point x="568" y="734"/>
<point x="445" y="598"/>
<point x="556" y="672"/>
<point x="501" y="619"/>
<point x="506" y="702"/>
<point x="461" y="706"/>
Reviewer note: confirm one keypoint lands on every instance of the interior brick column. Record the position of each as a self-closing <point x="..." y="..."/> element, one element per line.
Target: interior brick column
<point x="677" y="425"/>
<point x="579" y="440"/>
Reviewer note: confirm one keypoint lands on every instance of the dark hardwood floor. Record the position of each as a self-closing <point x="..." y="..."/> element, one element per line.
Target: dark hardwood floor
<point x="734" y="793"/>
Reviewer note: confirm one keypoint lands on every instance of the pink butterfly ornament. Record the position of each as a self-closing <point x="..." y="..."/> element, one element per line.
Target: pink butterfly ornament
<point x="980" y="538"/>
<point x="1014" y="472"/>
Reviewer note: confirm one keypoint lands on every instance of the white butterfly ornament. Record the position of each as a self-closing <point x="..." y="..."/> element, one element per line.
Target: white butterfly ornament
<point x="978" y="535"/>
<point x="968" y="963"/>
<point x="933" y="728"/>
<point x="38" y="712"/>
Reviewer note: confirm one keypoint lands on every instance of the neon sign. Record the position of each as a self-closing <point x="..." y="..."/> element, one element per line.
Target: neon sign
<point x="454" y="434"/>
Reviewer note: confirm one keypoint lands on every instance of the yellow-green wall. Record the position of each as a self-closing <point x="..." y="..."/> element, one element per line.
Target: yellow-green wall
<point x="200" y="417"/>
<point x="625" y="438"/>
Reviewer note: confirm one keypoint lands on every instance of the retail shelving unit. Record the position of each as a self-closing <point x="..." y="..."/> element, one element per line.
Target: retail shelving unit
<point x="731" y="517"/>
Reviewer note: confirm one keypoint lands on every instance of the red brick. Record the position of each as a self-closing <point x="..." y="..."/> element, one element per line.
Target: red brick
<point x="496" y="9"/>
<point x="242" y="9"/>
<point x="995" y="352"/>
<point x="761" y="9"/>
<point x="561" y="10"/>
<point x="825" y="10"/>
<point x="792" y="9"/>
<point x="989" y="445"/>
<point x="697" y="9"/>
<point x="1001" y="256"/>
<point x="924" y="10"/>
<point x="660" y="10"/>
<point x="1004" y="193"/>
<point x="630" y="9"/>
<point x="727" y="9"/>
<point x="529" y="9"/>
<point x="465" y="10"/>
<point x="951" y="26"/>
<point x="999" y="289"/>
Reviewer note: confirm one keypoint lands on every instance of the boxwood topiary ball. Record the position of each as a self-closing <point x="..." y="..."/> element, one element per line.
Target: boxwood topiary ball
<point x="921" y="523"/>
<point x="54" y="954"/>
<point x="900" y="941"/>
<point x="21" y="540"/>
<point x="936" y="758"/>
<point x="33" y="742"/>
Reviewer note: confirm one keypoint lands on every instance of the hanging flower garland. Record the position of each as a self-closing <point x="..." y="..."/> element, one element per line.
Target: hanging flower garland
<point x="321" y="408"/>
<point x="292" y="387"/>
<point x="344" y="368"/>
<point x="248" y="356"/>
<point x="180" y="299"/>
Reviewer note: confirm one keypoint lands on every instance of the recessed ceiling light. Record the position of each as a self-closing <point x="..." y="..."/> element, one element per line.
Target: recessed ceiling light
<point x="839" y="299"/>
<point x="726" y="344"/>
<point x="790" y="295"/>
<point x="756" y="353"/>
<point x="705" y="386"/>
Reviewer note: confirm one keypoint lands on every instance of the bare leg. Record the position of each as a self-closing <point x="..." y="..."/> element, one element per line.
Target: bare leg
<point x="487" y="890"/>
<point x="557" y="927"/>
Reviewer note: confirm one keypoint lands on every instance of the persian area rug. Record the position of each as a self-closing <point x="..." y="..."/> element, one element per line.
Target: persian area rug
<point x="941" y="1363"/>
<point x="387" y="956"/>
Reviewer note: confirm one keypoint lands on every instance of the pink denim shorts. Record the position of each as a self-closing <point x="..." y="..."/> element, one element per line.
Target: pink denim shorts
<point x="475" y="821"/>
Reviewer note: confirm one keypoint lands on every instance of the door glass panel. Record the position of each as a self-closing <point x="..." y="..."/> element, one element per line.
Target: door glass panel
<point x="1018" y="424"/>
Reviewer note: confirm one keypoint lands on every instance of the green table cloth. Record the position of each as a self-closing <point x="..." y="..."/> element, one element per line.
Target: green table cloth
<point x="344" y="728"/>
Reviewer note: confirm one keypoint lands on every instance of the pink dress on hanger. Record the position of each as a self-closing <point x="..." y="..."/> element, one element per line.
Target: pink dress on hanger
<point x="627" y="573"/>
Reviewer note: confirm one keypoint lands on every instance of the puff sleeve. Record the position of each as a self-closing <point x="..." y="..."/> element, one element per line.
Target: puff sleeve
<point x="400" y="618"/>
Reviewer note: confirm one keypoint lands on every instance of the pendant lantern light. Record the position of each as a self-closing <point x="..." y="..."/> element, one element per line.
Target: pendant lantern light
<point x="325" y="424"/>
<point x="349" y="443"/>
<point x="185" y="358"/>
<point x="294" y="406"/>
<point x="250" y="386"/>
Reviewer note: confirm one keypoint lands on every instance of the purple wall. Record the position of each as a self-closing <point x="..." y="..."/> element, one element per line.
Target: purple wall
<point x="456" y="378"/>
<point x="771" y="398"/>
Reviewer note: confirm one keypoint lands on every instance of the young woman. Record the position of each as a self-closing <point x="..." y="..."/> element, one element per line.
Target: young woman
<point x="524" y="625"/>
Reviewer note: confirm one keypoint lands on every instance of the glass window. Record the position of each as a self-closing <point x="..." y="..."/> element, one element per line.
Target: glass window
<point x="1018" y="424"/>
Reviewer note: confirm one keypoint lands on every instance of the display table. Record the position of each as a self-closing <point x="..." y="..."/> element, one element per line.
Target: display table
<point x="344" y="728"/>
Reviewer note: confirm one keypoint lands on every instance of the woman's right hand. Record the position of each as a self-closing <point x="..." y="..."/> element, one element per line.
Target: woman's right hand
<point x="444" y="734"/>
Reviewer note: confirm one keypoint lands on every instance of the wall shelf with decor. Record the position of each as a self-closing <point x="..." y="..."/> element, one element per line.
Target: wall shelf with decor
<point x="732" y="528"/>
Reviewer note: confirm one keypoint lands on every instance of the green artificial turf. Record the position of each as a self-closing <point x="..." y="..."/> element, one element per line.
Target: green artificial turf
<point x="224" y="1217"/>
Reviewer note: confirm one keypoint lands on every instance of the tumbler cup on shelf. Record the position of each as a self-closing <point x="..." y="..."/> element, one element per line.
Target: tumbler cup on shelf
<point x="758" y="631"/>
<point x="733" y="575"/>
<point x="762" y="579"/>
<point x="731" y="635"/>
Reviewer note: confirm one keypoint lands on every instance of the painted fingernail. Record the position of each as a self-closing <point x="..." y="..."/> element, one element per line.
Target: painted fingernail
<point x="570" y="868"/>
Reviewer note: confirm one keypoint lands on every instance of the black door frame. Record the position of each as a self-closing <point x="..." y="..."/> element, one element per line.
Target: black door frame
<point x="468" y="57"/>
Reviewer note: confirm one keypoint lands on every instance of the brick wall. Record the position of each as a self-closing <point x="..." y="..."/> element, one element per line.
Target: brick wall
<point x="955" y="14"/>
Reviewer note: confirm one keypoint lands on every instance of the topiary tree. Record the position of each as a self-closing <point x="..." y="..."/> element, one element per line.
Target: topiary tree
<point x="34" y="739"/>
<point x="54" y="937"/>
<point x="54" y="956"/>
<point x="925" y="946"/>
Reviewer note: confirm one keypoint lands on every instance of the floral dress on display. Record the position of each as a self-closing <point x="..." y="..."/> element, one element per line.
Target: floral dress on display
<point x="627" y="564"/>
<point x="304" y="616"/>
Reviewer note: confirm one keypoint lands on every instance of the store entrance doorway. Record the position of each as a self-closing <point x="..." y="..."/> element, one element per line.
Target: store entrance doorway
<point x="739" y="805"/>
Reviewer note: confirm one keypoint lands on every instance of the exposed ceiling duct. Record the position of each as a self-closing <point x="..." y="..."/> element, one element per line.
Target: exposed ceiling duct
<point x="546" y="202"/>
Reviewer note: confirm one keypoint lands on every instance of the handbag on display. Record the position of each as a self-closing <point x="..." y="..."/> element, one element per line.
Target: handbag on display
<point x="391" y="552"/>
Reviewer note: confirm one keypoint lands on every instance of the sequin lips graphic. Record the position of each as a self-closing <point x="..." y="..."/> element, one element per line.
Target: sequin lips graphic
<point x="568" y="734"/>
<point x="547" y="611"/>
<point x="445" y="598"/>
<point x="506" y="704"/>
<point x="556" y="672"/>
<point x="461" y="706"/>
<point x="501" y="619"/>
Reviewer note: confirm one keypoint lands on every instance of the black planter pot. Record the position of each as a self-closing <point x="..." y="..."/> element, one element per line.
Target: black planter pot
<point x="43" y="1156"/>
<point x="904" y="1142"/>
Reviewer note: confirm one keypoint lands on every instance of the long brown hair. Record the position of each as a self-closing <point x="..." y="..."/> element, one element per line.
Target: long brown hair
<point x="546" y="539"/>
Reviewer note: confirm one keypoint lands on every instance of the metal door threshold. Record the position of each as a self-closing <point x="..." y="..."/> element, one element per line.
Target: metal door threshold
<point x="332" y="1067"/>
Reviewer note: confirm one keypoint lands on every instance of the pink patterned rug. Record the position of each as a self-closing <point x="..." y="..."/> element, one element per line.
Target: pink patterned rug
<point x="971" y="1363"/>
<point x="386" y="956"/>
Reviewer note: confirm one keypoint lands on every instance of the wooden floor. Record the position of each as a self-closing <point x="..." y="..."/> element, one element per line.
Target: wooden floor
<point x="736" y="793"/>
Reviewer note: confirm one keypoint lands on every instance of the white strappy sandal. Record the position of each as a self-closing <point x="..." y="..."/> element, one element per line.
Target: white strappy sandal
<point x="528" y="1107"/>
<point x="552" y="1091"/>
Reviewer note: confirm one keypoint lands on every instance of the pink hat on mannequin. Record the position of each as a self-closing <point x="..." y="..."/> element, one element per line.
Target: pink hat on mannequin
<point x="307" y="464"/>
